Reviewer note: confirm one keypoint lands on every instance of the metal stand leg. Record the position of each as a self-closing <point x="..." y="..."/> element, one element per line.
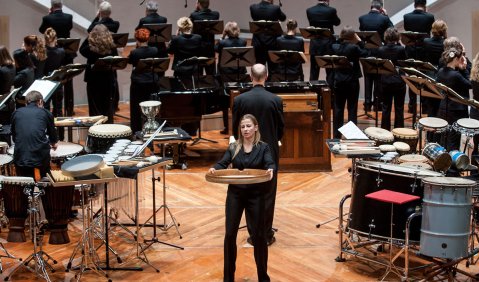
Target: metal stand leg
<point x="391" y="267"/>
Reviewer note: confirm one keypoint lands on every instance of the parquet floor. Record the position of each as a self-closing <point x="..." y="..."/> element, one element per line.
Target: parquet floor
<point x="302" y="252"/>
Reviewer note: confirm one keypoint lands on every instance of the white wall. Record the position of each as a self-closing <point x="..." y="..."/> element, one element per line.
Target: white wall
<point x="25" y="18"/>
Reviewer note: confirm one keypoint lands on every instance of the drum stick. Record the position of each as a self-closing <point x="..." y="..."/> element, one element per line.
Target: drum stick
<point x="350" y="147"/>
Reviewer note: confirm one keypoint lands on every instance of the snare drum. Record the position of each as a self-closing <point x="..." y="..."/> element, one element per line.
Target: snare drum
<point x="433" y="124"/>
<point x="380" y="135"/>
<point x="406" y="135"/>
<point x="467" y="126"/>
<point x="446" y="217"/>
<point x="102" y="136"/>
<point x="16" y="205"/>
<point x="372" y="218"/>
<point x="438" y="156"/>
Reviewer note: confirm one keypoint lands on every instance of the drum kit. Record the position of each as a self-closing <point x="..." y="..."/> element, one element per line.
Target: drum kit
<point x="440" y="199"/>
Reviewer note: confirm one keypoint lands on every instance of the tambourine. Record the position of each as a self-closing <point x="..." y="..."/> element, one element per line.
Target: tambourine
<point x="236" y="176"/>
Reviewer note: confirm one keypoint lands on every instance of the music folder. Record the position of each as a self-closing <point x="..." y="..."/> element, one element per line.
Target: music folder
<point x="416" y="64"/>
<point x="409" y="38"/>
<point x="377" y="66"/>
<point x="153" y="65"/>
<point x="120" y="39"/>
<point x="6" y="97"/>
<point x="70" y="45"/>
<point x="371" y="39"/>
<point x="45" y="87"/>
<point x="287" y="57"/>
<point x="110" y="63"/>
<point x="422" y="87"/>
<point x="159" y="32"/>
<point x="450" y="94"/>
<point x="333" y="62"/>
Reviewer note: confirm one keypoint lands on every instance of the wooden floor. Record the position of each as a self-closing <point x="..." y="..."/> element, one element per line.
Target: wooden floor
<point x="302" y="252"/>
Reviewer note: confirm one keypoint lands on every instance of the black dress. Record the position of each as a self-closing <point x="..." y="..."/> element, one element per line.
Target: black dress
<point x="100" y="85"/>
<point x="7" y="76"/>
<point x="154" y="18"/>
<point x="251" y="199"/>
<point x="392" y="87"/>
<point x="207" y="38"/>
<point x="142" y="84"/>
<point x="55" y="59"/>
<point x="293" y="71"/>
<point x="449" y="110"/>
<point x="183" y="47"/>
<point x="475" y="112"/>
<point x="431" y="52"/>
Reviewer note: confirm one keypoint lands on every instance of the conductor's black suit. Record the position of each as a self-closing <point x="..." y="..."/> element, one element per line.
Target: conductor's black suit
<point x="61" y="22"/>
<point x="268" y="110"/>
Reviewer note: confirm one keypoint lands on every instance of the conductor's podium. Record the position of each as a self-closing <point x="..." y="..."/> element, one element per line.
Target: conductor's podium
<point x="307" y="118"/>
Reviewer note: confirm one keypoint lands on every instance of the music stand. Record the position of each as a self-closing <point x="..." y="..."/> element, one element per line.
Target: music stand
<point x="265" y="27"/>
<point x="208" y="27"/>
<point x="286" y="58"/>
<point x="6" y="97"/>
<point x="159" y="32"/>
<point x="416" y="64"/>
<point x="111" y="64"/>
<point x="153" y="65"/>
<point x="413" y="39"/>
<point x="315" y="32"/>
<point x="70" y="45"/>
<point x="371" y="39"/>
<point x="236" y="57"/>
<point x="198" y="62"/>
<point x="45" y="87"/>
<point x="377" y="66"/>
<point x="120" y="39"/>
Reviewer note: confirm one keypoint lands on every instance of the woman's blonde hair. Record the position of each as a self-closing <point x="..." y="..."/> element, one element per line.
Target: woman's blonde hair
<point x="232" y="30"/>
<point x="439" y="28"/>
<point x="475" y="68"/>
<point x="50" y="36"/>
<point x="100" y="40"/>
<point x="257" y="136"/>
<point x="185" y="24"/>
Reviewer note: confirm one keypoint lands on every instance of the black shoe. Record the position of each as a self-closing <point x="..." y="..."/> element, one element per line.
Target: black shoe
<point x="271" y="241"/>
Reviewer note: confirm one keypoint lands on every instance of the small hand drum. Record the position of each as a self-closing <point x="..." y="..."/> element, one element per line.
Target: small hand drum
<point x="236" y="176"/>
<point x="82" y="165"/>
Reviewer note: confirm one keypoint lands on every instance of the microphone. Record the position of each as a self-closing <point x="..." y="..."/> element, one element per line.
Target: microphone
<point x="186" y="3"/>
<point x="142" y="2"/>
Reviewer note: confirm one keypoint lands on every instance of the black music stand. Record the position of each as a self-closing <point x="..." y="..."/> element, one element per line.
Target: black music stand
<point x="371" y="39"/>
<point x="413" y="39"/>
<point x="316" y="32"/>
<point x="197" y="62"/>
<point x="286" y="58"/>
<point x="70" y="45"/>
<point x="45" y="87"/>
<point x="159" y="32"/>
<point x="208" y="27"/>
<point x="265" y="27"/>
<point x="110" y="64"/>
<point x="416" y="64"/>
<point x="120" y="39"/>
<point x="153" y="66"/>
<point x="377" y="66"/>
<point x="6" y="97"/>
<point x="236" y="57"/>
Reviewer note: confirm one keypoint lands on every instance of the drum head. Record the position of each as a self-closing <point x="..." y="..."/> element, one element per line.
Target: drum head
<point x="433" y="122"/>
<point x="387" y="148"/>
<point x="82" y="165"/>
<point x="110" y="130"/>
<point x="5" y="159"/>
<point x="380" y="134"/>
<point x="449" y="181"/>
<point x="468" y="123"/>
<point x="401" y="146"/>
<point x="412" y="158"/>
<point x="399" y="169"/>
<point x="16" y="180"/>
<point x="65" y="149"/>
<point x="417" y="165"/>
<point x="405" y="132"/>
<point x="235" y="176"/>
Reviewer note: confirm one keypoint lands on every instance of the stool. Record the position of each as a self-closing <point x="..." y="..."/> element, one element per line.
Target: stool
<point x="397" y="198"/>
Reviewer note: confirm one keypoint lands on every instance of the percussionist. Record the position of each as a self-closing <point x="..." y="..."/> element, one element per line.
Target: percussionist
<point x="33" y="133"/>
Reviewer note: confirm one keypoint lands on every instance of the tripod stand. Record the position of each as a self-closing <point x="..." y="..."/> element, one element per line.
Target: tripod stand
<point x="39" y="258"/>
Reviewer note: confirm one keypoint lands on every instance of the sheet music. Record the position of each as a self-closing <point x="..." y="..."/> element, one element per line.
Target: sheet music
<point x="351" y="131"/>
<point x="45" y="87"/>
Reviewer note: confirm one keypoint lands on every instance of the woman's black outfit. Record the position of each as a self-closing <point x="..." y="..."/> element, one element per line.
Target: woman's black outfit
<point x="143" y="84"/>
<point x="293" y="71"/>
<point x="100" y="84"/>
<point x="449" y="110"/>
<point x="183" y="47"/>
<point x="229" y="74"/>
<point x="392" y="87"/>
<point x="346" y="84"/>
<point x="432" y="50"/>
<point x="248" y="198"/>
<point x="7" y="76"/>
<point x="24" y="78"/>
<point x="475" y="112"/>
<point x="55" y="59"/>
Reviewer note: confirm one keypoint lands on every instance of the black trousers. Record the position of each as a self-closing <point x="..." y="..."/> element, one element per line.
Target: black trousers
<point x="390" y="92"/>
<point x="252" y="201"/>
<point x="370" y="87"/>
<point x="139" y="92"/>
<point x="30" y="171"/>
<point x="345" y="92"/>
<point x="452" y="139"/>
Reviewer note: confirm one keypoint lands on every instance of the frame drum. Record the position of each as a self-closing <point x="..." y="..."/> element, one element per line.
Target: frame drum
<point x="446" y="217"/>
<point x="380" y="135"/>
<point x="372" y="218"/>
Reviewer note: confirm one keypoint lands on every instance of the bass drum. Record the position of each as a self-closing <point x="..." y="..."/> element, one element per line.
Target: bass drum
<point x="372" y="218"/>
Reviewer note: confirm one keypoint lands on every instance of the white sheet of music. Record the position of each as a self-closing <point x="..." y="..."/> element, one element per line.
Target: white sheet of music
<point x="351" y="131"/>
<point x="45" y="87"/>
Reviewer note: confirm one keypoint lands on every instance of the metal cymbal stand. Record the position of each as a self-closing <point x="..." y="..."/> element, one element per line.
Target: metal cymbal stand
<point x="38" y="257"/>
<point x="89" y="256"/>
